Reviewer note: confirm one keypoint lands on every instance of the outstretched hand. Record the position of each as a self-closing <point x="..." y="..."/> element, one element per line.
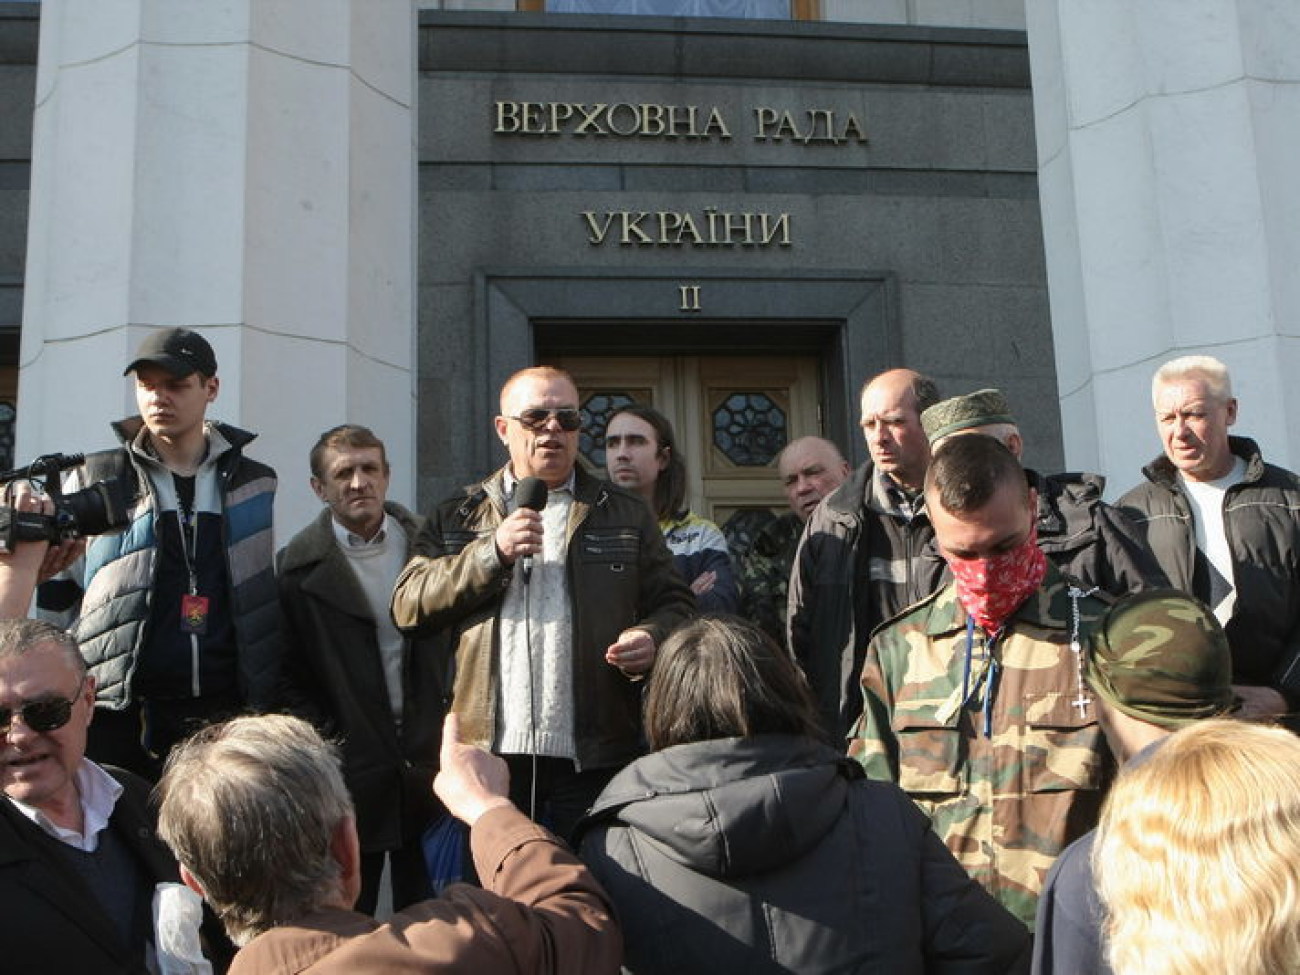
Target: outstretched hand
<point x="470" y="780"/>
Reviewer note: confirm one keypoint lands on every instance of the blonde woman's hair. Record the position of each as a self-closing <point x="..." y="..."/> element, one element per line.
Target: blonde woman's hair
<point x="1197" y="858"/>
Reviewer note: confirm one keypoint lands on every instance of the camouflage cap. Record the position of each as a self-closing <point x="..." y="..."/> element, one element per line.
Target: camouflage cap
<point x="1161" y="657"/>
<point x="977" y="409"/>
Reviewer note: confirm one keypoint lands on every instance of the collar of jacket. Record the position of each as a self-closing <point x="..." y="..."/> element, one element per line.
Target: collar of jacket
<point x="316" y="542"/>
<point x="1048" y="608"/>
<point x="1162" y="471"/>
<point x="129" y="428"/>
<point x="587" y="490"/>
<point x="718" y="765"/>
<point x="1054" y="518"/>
<point x="848" y="500"/>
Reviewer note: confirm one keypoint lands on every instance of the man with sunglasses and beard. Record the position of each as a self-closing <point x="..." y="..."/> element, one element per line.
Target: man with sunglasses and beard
<point x="553" y="615"/>
<point x="975" y="700"/>
<point x="78" y="857"/>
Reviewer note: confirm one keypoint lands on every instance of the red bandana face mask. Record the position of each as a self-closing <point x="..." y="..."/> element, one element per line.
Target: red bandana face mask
<point x="992" y="589"/>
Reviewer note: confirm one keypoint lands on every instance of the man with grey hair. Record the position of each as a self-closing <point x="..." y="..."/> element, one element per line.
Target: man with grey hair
<point x="1225" y="527"/>
<point x="78" y="857"/>
<point x="257" y="813"/>
<point x="810" y="469"/>
<point x="857" y="561"/>
<point x="1091" y="543"/>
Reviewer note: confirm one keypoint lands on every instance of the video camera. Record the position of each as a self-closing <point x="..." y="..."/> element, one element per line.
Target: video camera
<point x="101" y="507"/>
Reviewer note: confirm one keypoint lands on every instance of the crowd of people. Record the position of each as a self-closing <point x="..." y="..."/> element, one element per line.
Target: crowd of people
<point x="966" y="717"/>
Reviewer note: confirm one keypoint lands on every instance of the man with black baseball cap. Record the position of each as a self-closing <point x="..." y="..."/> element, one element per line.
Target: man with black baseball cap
<point x="179" y="622"/>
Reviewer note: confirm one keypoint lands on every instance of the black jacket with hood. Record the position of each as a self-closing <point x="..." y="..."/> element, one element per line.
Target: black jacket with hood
<point x="1091" y="542"/>
<point x="775" y="854"/>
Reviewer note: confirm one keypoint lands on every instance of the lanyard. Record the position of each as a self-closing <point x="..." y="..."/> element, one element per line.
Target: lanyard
<point x="989" y="672"/>
<point x="188" y="522"/>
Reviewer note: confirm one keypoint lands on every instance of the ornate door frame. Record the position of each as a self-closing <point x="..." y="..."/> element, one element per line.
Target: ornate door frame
<point x="848" y="319"/>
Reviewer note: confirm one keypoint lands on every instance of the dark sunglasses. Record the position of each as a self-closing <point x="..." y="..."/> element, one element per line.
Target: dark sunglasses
<point x="42" y="716"/>
<point x="536" y="419"/>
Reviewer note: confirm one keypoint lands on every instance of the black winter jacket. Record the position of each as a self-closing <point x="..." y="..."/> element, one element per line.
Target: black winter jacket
<point x="1261" y="516"/>
<point x="51" y="921"/>
<point x="857" y="565"/>
<point x="774" y="854"/>
<point x="1089" y="541"/>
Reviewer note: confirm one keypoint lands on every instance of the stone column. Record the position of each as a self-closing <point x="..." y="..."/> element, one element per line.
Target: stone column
<point x="243" y="167"/>
<point x="1168" y="133"/>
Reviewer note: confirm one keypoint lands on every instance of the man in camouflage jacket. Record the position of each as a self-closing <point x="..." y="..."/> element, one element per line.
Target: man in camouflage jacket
<point x="988" y="725"/>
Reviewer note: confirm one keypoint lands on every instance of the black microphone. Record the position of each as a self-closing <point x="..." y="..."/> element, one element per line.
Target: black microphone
<point x="530" y="493"/>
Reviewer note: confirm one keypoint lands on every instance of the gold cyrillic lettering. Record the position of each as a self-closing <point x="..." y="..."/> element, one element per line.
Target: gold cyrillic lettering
<point x="716" y="122"/>
<point x="590" y="119"/>
<point x="632" y="227"/>
<point x="679" y="127"/>
<point x="770" y="230"/>
<point x="827" y="119"/>
<point x="763" y="117"/>
<point x="611" y="115"/>
<point x="595" y="232"/>
<point x="853" y="129"/>
<point x="534" y="119"/>
<point x="561" y="112"/>
<point x="507" y="117"/>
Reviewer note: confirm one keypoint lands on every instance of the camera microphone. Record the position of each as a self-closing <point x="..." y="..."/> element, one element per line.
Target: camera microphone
<point x="530" y="493"/>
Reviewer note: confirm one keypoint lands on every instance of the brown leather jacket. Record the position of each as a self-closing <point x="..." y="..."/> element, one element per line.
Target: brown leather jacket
<point x="541" y="911"/>
<point x="620" y="575"/>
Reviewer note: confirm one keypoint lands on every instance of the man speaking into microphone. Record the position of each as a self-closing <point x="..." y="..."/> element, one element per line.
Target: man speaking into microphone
<point x="554" y="603"/>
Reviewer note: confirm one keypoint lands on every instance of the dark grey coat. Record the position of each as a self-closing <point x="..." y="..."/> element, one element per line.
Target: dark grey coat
<point x="333" y="677"/>
<point x="774" y="854"/>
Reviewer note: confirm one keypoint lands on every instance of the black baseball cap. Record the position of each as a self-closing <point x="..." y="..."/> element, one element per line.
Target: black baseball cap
<point x="178" y="350"/>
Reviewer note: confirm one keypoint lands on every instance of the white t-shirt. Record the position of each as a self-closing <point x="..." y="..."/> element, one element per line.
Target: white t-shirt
<point x="1206" y="500"/>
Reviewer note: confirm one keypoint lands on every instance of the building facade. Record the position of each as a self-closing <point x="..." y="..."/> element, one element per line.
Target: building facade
<point x="379" y="211"/>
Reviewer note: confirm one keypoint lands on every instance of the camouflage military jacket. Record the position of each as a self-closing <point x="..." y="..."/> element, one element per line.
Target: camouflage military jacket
<point x="1015" y="771"/>
<point x="765" y="574"/>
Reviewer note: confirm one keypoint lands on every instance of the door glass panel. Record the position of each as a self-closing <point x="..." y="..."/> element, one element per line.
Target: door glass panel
<point x="750" y="429"/>
<point x="597" y="410"/>
<point x="733" y="415"/>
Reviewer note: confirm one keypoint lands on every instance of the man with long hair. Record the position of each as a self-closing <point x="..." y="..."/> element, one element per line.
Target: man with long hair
<point x="641" y="455"/>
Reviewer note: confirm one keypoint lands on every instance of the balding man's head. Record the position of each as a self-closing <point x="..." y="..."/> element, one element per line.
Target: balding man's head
<point x="892" y="403"/>
<point x="811" y="468"/>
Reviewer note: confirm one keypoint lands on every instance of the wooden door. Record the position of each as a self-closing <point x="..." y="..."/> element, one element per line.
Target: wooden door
<point x="732" y="416"/>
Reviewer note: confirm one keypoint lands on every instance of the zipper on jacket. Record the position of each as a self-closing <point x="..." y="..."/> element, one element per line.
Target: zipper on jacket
<point x="195" y="687"/>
